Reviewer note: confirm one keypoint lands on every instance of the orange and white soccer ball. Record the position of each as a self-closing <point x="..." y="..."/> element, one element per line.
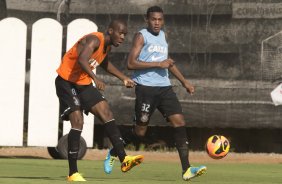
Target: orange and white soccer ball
<point x="217" y="146"/>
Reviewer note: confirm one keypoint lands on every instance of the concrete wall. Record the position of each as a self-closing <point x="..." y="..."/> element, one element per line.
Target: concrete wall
<point x="216" y="44"/>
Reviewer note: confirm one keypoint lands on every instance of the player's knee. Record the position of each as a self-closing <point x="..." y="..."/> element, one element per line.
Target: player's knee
<point x="179" y="124"/>
<point x="107" y="115"/>
<point x="140" y="131"/>
<point x="177" y="120"/>
<point x="103" y="111"/>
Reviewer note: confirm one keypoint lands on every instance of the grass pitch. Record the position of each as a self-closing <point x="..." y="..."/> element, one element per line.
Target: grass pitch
<point x="31" y="171"/>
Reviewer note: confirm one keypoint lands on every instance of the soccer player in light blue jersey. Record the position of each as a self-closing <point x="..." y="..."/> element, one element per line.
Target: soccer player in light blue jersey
<point x="151" y="64"/>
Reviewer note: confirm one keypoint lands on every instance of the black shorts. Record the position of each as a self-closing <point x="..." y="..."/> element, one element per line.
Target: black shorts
<point x="74" y="97"/>
<point x="148" y="99"/>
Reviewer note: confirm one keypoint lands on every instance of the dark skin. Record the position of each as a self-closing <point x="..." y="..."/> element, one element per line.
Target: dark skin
<point x="155" y="22"/>
<point x="115" y="36"/>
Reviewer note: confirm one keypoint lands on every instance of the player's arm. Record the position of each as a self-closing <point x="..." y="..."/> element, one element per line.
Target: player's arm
<point x="185" y="83"/>
<point x="85" y="49"/>
<point x="134" y="64"/>
<point x="110" y="68"/>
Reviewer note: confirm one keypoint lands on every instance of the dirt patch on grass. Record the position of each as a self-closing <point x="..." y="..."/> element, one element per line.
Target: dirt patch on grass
<point x="200" y="157"/>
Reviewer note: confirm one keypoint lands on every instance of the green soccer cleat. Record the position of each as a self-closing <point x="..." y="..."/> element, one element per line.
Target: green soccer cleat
<point x="76" y="177"/>
<point x="193" y="172"/>
<point x="131" y="161"/>
<point x="109" y="163"/>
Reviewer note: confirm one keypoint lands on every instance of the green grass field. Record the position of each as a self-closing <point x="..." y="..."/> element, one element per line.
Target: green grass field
<point x="30" y="171"/>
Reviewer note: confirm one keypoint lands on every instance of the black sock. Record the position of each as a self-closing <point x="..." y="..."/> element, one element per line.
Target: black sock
<point x="114" y="135"/>
<point x="181" y="142"/>
<point x="73" y="147"/>
<point x="130" y="136"/>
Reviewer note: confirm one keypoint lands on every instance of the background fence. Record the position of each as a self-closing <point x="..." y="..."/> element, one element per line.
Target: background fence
<point x="227" y="49"/>
<point x="43" y="108"/>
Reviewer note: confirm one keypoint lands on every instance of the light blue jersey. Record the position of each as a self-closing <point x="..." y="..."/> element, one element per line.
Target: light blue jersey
<point x="155" y="49"/>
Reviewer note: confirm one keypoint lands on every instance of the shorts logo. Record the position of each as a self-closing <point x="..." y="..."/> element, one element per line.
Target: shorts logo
<point x="76" y="101"/>
<point x="144" y="118"/>
<point x="75" y="98"/>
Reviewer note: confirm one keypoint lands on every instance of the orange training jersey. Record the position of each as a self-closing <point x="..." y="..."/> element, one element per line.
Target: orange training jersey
<point x="70" y="69"/>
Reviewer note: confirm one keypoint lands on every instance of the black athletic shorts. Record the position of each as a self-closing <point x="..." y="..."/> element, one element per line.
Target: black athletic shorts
<point x="74" y="97"/>
<point x="148" y="99"/>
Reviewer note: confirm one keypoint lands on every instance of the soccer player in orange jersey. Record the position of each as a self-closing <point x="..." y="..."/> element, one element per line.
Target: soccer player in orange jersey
<point x="77" y="95"/>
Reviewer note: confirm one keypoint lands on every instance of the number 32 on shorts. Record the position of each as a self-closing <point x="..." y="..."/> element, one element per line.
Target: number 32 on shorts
<point x="145" y="107"/>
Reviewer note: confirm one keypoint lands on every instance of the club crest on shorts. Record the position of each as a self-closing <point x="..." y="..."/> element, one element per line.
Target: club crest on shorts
<point x="76" y="101"/>
<point x="144" y="117"/>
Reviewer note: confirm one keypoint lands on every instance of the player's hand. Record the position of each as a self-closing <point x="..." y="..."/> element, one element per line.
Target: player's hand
<point x="166" y="63"/>
<point x="189" y="87"/>
<point x="99" y="84"/>
<point x="129" y="83"/>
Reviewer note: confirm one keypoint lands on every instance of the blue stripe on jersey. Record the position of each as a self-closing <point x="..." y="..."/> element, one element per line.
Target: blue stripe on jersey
<point x="155" y="49"/>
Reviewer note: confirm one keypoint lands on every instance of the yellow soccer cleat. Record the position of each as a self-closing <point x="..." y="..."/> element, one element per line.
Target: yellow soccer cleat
<point x="131" y="161"/>
<point x="76" y="177"/>
<point x="194" y="172"/>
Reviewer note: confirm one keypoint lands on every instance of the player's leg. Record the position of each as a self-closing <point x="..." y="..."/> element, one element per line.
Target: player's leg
<point x="70" y="110"/>
<point x="145" y="105"/>
<point x="172" y="110"/>
<point x="102" y="110"/>
<point x="180" y="138"/>
<point x="76" y="119"/>
<point x="95" y="103"/>
<point x="181" y="143"/>
<point x="129" y="136"/>
<point x="143" y="110"/>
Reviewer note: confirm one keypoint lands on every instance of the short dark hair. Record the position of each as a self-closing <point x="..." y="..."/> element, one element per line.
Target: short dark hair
<point x="154" y="9"/>
<point x="116" y="22"/>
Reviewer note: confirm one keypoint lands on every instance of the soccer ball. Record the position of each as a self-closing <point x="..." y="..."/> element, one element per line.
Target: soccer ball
<point x="217" y="146"/>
